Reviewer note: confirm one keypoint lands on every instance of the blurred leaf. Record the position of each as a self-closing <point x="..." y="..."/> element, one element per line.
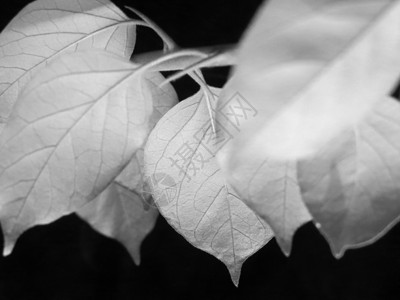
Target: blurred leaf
<point x="74" y="128"/>
<point x="190" y="191"/>
<point x="351" y="187"/>
<point x="309" y="69"/>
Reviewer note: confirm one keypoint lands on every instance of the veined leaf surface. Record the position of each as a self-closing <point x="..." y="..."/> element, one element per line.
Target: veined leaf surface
<point x="351" y="187"/>
<point x="309" y="69"/>
<point x="119" y="211"/>
<point x="272" y="191"/>
<point x="45" y="29"/>
<point x="74" y="128"/>
<point x="190" y="191"/>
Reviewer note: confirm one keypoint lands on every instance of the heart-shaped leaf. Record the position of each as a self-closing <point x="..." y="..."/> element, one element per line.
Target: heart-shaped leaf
<point x="351" y="187"/>
<point x="190" y="191"/>
<point x="74" y="128"/>
<point x="119" y="211"/>
<point x="45" y="29"/>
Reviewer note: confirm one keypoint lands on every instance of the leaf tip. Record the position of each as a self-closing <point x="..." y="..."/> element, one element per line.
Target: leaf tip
<point x="338" y="246"/>
<point x="235" y="271"/>
<point x="235" y="281"/>
<point x="9" y="244"/>
<point x="136" y="258"/>
<point x="338" y="250"/>
<point x="285" y="245"/>
<point x="338" y="255"/>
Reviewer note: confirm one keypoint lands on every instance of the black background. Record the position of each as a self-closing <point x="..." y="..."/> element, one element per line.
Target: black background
<point x="68" y="260"/>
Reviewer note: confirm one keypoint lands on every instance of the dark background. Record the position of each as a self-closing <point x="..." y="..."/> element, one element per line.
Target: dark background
<point x="68" y="260"/>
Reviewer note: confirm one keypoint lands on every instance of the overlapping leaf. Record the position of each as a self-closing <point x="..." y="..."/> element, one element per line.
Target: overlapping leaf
<point x="272" y="191"/>
<point x="351" y="187"/>
<point x="45" y="29"/>
<point x="308" y="69"/>
<point x="119" y="211"/>
<point x="74" y="128"/>
<point x="190" y="191"/>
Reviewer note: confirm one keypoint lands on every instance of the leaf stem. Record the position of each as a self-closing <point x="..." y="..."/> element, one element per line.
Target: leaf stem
<point x="220" y="59"/>
<point x="207" y="93"/>
<point x="169" y="44"/>
<point x="208" y="57"/>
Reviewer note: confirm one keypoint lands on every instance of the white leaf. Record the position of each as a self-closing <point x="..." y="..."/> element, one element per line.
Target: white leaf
<point x="309" y="69"/>
<point x="351" y="187"/>
<point x="121" y="214"/>
<point x="190" y="191"/>
<point x="44" y="29"/>
<point x="74" y="128"/>
<point x="271" y="189"/>
<point x="163" y="99"/>
<point x="119" y="211"/>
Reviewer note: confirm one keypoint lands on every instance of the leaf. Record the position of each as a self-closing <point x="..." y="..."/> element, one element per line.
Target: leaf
<point x="74" y="128"/>
<point x="351" y="187"/>
<point x="309" y="69"/>
<point x="163" y="99"/>
<point x="190" y="191"/>
<point x="119" y="211"/>
<point x="43" y="30"/>
<point x="271" y="189"/>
